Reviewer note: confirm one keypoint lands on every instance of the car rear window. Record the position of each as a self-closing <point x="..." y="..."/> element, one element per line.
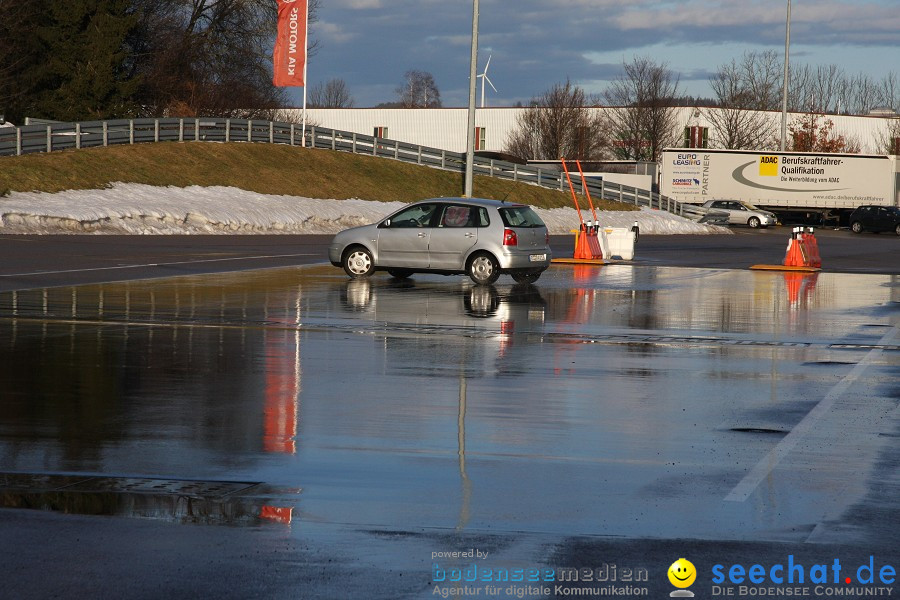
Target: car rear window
<point x="520" y="216"/>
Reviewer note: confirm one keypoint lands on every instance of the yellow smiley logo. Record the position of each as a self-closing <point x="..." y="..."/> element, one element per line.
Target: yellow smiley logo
<point x="682" y="573"/>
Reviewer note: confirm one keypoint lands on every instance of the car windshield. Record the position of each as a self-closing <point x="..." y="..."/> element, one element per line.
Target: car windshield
<point x="520" y="216"/>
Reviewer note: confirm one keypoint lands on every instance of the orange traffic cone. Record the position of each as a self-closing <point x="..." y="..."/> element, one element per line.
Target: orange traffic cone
<point x="795" y="255"/>
<point x="582" y="245"/>
<point x="812" y="247"/>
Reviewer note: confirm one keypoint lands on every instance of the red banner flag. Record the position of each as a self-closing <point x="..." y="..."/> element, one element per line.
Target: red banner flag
<point x="290" y="44"/>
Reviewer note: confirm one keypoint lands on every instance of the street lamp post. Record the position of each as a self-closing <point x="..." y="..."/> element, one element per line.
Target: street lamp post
<point x="784" y="99"/>
<point x="470" y="134"/>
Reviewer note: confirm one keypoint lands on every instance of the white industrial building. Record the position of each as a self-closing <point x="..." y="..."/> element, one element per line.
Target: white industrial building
<point x="445" y="128"/>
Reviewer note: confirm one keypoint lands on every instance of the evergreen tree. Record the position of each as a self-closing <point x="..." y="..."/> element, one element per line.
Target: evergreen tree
<point x="84" y="73"/>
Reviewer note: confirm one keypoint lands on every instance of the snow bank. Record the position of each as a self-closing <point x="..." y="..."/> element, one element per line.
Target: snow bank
<point x="144" y="209"/>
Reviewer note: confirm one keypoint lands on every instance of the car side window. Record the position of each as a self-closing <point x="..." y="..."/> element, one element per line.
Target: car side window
<point x="419" y="215"/>
<point x="456" y="216"/>
<point x="719" y="204"/>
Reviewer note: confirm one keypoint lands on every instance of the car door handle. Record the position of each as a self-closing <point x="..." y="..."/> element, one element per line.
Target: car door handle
<point x="421" y="234"/>
<point x="470" y="235"/>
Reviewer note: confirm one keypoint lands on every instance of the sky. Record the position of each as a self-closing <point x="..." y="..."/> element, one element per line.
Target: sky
<point x="370" y="44"/>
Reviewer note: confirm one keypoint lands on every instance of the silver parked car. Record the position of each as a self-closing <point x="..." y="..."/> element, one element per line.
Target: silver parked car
<point x="741" y="213"/>
<point x="480" y="238"/>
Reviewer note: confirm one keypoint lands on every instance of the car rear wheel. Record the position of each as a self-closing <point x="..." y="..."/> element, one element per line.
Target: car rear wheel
<point x="753" y="222"/>
<point x="483" y="269"/>
<point x="358" y="262"/>
<point x="856" y="227"/>
<point x="526" y="277"/>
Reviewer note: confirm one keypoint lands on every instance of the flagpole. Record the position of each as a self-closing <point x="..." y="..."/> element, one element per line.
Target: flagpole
<point x="305" y="66"/>
<point x="470" y="134"/>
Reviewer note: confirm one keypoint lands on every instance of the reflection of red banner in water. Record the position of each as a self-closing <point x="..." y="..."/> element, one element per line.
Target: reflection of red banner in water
<point x="282" y="389"/>
<point x="279" y="514"/>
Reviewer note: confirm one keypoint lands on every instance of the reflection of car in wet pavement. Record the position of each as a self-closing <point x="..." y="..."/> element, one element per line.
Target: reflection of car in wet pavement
<point x="480" y="238"/>
<point x="739" y="213"/>
<point x="414" y="319"/>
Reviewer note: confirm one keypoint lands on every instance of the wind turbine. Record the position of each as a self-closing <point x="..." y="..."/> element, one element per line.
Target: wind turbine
<point x="484" y="78"/>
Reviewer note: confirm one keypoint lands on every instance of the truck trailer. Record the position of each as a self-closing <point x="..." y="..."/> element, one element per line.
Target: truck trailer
<point x="808" y="187"/>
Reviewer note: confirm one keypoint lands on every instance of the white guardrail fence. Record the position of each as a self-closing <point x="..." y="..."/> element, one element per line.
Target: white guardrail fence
<point x="49" y="137"/>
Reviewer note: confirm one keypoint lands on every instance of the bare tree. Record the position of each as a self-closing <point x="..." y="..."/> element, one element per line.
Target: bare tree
<point x="330" y="94"/>
<point x="736" y="123"/>
<point x="642" y="114"/>
<point x="558" y="124"/>
<point x="762" y="76"/>
<point x="419" y="90"/>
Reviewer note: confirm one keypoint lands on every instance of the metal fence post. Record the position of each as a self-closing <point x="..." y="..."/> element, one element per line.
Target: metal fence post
<point x="271" y="132"/>
<point x="312" y="137"/>
<point x="227" y="130"/>
<point x="131" y="131"/>
<point x="375" y="146"/>
<point x="18" y="142"/>
<point x="539" y="176"/>
<point x="333" y="139"/>
<point x="78" y="136"/>
<point x="249" y="130"/>
<point x="396" y="149"/>
<point x="196" y="129"/>
<point x="515" y="172"/>
<point x="49" y="140"/>
<point x="105" y="134"/>
<point x="420" y="156"/>
<point x="354" y="144"/>
<point x="292" y="134"/>
<point x="443" y="159"/>
<point x="155" y="130"/>
<point x="180" y="130"/>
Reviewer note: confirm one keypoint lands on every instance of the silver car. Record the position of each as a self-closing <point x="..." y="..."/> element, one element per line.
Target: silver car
<point x="740" y="213"/>
<point x="480" y="238"/>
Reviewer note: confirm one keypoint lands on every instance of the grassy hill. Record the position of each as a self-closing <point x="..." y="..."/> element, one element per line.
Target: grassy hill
<point x="264" y="168"/>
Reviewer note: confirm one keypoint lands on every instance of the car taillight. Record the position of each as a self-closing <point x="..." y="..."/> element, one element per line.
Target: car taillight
<point x="510" y="238"/>
<point x="547" y="237"/>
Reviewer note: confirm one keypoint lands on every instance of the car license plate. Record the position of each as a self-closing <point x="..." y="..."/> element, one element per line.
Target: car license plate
<point x="537" y="257"/>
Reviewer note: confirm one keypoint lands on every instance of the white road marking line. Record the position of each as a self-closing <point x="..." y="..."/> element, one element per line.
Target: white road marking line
<point x="768" y="463"/>
<point x="165" y="264"/>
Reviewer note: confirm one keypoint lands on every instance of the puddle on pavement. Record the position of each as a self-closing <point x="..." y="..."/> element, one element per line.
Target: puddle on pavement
<point x="427" y="401"/>
<point x="177" y="501"/>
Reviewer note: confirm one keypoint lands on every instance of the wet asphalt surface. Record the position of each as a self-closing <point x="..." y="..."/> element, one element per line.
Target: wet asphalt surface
<point x="288" y="433"/>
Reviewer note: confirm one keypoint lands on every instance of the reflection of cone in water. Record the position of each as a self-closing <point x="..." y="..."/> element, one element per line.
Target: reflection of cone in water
<point x="793" y="282"/>
<point x="582" y="273"/>
<point x="800" y="287"/>
<point x="582" y="246"/>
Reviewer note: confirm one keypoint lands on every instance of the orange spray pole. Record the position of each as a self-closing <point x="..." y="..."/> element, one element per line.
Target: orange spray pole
<point x="583" y="248"/>
<point x="572" y="189"/>
<point x="587" y="192"/>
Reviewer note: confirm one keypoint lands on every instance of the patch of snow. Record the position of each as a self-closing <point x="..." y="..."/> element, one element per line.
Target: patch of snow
<point x="144" y="209"/>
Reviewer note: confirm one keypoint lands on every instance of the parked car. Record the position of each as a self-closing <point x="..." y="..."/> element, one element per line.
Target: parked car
<point x="741" y="213"/>
<point x="875" y="218"/>
<point x="477" y="237"/>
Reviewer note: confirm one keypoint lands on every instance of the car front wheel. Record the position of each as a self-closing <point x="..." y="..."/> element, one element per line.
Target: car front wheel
<point x="856" y="227"/>
<point x="753" y="222"/>
<point x="358" y="262"/>
<point x="483" y="269"/>
<point x="897" y="229"/>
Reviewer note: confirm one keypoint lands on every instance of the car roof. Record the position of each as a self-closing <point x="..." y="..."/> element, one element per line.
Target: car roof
<point x="476" y="201"/>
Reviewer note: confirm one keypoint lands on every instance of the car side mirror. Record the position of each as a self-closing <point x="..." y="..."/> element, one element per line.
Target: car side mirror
<point x="385" y="223"/>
